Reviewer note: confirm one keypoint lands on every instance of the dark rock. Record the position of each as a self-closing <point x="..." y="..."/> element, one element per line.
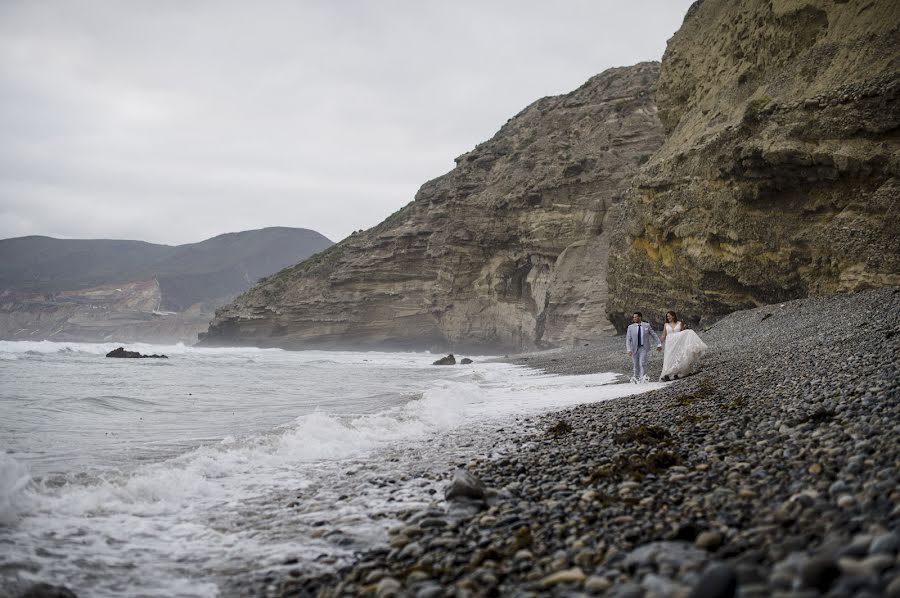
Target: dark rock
<point x="121" y="352"/>
<point x="687" y="532"/>
<point x="449" y="360"/>
<point x="465" y="361"/>
<point x="46" y="590"/>
<point x="820" y="573"/>
<point x="718" y="581"/>
<point x="464" y="485"/>
<point x="888" y="543"/>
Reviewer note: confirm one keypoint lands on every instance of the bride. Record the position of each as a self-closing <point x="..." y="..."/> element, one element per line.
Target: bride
<point x="683" y="349"/>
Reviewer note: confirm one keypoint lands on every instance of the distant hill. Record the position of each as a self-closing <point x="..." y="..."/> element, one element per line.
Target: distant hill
<point x="94" y="290"/>
<point x="187" y="274"/>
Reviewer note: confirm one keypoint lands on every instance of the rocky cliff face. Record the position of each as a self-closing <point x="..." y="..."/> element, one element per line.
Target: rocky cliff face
<point x="507" y="250"/>
<point x="779" y="175"/>
<point x="126" y="312"/>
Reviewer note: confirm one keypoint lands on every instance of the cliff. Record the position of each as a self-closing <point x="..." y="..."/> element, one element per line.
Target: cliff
<point x="778" y="178"/>
<point x="127" y="312"/>
<point x="507" y="250"/>
<point x="95" y="290"/>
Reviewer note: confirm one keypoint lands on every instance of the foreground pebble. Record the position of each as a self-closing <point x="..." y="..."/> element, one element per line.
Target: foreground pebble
<point x="774" y="471"/>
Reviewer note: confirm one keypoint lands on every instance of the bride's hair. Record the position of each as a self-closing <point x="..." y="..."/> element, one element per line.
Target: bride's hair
<point x="674" y="316"/>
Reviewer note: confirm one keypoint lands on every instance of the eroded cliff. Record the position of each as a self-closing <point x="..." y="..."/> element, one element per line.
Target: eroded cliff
<point x="779" y="175"/>
<point x="507" y="250"/>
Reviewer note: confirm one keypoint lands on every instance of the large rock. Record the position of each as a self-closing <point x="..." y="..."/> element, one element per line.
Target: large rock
<point x="779" y="175"/>
<point x="507" y="250"/>
<point x="122" y="353"/>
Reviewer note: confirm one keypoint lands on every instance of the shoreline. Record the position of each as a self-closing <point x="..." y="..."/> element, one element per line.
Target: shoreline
<point x="775" y="468"/>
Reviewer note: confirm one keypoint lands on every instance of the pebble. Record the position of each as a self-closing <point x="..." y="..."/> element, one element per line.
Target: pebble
<point x="719" y="581"/>
<point x="574" y="575"/>
<point x="597" y="584"/>
<point x="887" y="543"/>
<point x="709" y="540"/>
<point x="893" y="588"/>
<point x="783" y="478"/>
<point x="388" y="587"/>
<point x="820" y="573"/>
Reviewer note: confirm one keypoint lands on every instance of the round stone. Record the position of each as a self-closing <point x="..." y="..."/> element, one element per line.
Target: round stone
<point x="887" y="543"/>
<point x="819" y="573"/>
<point x="597" y="584"/>
<point x="718" y="581"/>
<point x="710" y="540"/>
<point x="574" y="575"/>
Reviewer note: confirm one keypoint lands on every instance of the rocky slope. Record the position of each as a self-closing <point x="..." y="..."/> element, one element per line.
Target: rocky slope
<point x="96" y="290"/>
<point x="779" y="175"/>
<point x="506" y="250"/>
<point x="126" y="312"/>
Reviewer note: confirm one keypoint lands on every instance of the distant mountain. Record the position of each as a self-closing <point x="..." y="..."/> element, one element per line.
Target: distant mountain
<point x="194" y="273"/>
<point x="47" y="284"/>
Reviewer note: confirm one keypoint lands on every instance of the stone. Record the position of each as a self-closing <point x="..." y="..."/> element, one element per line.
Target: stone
<point x="888" y="543"/>
<point x="448" y="360"/>
<point x="388" y="587"/>
<point x="574" y="575"/>
<point x="597" y="584"/>
<point x="819" y="573"/>
<point x="845" y="501"/>
<point x="464" y="485"/>
<point x="465" y="361"/>
<point x="893" y="588"/>
<point x="709" y="540"/>
<point x="430" y="590"/>
<point x="718" y="581"/>
<point x="122" y="353"/>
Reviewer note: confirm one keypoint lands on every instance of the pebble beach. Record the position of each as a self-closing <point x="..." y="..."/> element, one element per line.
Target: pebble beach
<point x="772" y="472"/>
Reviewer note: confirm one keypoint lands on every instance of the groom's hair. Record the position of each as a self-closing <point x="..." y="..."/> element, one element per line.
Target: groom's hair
<point x="638" y="314"/>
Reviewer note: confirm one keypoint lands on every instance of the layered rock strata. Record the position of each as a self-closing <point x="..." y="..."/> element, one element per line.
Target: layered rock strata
<point x="507" y="250"/>
<point x="127" y="312"/>
<point x="779" y="175"/>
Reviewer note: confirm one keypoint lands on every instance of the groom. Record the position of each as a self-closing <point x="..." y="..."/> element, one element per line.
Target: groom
<point x="636" y="345"/>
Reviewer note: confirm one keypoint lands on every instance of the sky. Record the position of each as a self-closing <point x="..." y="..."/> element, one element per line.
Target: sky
<point x="172" y="121"/>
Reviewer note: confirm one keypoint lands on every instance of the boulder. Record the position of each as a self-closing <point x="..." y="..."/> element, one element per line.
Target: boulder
<point x="449" y="360"/>
<point x="122" y="353"/>
<point x="465" y="361"/>
<point x="464" y="486"/>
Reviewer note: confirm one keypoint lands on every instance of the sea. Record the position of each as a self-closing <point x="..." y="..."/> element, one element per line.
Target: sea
<point x="175" y="477"/>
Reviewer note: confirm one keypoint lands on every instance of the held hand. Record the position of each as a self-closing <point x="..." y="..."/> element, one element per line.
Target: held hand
<point x="659" y="348"/>
<point x="630" y="354"/>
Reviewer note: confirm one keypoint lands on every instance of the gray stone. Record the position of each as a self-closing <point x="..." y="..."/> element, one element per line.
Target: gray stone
<point x="820" y="573"/>
<point x="887" y="543"/>
<point x="718" y="581"/>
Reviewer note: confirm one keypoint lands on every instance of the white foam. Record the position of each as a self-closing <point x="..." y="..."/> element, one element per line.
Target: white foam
<point x="14" y="477"/>
<point x="161" y="510"/>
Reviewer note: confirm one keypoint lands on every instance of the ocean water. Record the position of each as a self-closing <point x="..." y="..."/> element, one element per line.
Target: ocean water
<point x="173" y="477"/>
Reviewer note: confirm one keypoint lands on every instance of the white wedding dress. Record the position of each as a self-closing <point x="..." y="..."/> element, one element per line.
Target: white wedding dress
<point x="683" y="352"/>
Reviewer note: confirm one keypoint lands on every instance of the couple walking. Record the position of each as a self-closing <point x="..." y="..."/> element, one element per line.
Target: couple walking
<point x="683" y="347"/>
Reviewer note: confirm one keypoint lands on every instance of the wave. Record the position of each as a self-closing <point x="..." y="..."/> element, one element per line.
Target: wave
<point x="14" y="477"/>
<point x="54" y="347"/>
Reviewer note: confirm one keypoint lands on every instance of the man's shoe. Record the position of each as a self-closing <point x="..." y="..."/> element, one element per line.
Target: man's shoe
<point x="645" y="378"/>
<point x="634" y="380"/>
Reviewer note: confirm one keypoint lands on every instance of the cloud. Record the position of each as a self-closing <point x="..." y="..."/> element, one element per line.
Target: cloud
<point x="172" y="122"/>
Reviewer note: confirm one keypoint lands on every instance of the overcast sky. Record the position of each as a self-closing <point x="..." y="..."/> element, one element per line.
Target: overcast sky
<point x="172" y="121"/>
